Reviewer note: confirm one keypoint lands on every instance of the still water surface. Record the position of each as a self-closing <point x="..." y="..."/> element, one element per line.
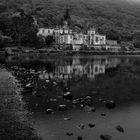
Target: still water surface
<point x="45" y="78"/>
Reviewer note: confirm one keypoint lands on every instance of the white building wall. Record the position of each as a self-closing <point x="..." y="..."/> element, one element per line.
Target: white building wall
<point x="78" y="39"/>
<point x="45" y="32"/>
<point x="99" y="40"/>
<point x="66" y="39"/>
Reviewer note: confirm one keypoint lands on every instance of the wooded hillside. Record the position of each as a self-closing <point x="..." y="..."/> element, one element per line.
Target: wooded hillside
<point x="117" y="19"/>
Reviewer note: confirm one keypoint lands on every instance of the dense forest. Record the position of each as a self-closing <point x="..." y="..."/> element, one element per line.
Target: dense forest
<point x="119" y="20"/>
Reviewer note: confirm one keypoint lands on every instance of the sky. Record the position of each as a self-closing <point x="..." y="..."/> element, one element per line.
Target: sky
<point x="133" y="0"/>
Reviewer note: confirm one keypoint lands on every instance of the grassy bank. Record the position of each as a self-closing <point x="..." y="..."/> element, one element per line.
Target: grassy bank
<point x="14" y="119"/>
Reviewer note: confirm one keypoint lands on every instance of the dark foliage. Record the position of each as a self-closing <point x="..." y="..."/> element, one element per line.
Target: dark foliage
<point x="49" y="40"/>
<point x="119" y="19"/>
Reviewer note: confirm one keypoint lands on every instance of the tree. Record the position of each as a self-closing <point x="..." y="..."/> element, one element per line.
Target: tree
<point x="22" y="28"/>
<point x="49" y="40"/>
<point x="136" y="40"/>
<point x="4" y="40"/>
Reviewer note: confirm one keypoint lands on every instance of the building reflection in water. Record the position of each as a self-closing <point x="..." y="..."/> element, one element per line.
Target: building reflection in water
<point x="66" y="67"/>
<point x="90" y="68"/>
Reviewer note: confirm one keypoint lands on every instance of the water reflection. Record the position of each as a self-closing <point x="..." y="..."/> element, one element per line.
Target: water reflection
<point x="45" y="79"/>
<point x="65" y="67"/>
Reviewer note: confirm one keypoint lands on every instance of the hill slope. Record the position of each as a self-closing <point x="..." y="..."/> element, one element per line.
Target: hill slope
<point x="121" y="17"/>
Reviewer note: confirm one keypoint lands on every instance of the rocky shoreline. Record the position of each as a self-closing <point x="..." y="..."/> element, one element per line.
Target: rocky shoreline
<point x="15" y="122"/>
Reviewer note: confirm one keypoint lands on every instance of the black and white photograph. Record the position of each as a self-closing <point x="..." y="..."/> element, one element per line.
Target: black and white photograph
<point x="69" y="69"/>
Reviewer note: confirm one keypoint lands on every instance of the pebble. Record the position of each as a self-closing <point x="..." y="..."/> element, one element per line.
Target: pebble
<point x="105" y="137"/>
<point x="81" y="126"/>
<point x="67" y="119"/>
<point x="53" y="100"/>
<point x="91" y="125"/>
<point x="120" y="128"/>
<point x="69" y="134"/>
<point x="103" y="114"/>
<point x="79" y="138"/>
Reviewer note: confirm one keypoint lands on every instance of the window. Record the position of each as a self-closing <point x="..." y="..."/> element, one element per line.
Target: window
<point x="65" y="39"/>
<point x="61" y="39"/>
<point x="96" y="69"/>
<point x="96" y="39"/>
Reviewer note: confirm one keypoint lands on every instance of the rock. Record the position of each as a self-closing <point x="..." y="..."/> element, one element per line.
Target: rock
<point x="105" y="137"/>
<point x="101" y="100"/>
<point x="66" y="89"/>
<point x="62" y="107"/>
<point x="53" y="100"/>
<point x="34" y="93"/>
<point x="69" y="134"/>
<point x="59" y="97"/>
<point x="47" y="81"/>
<point x="81" y="126"/>
<point x="89" y="109"/>
<point x="110" y="104"/>
<point x="91" y="125"/>
<point x="103" y="114"/>
<point x="68" y="96"/>
<point x="54" y="84"/>
<point x="50" y="111"/>
<point x="87" y="101"/>
<point x="79" y="138"/>
<point x="28" y="85"/>
<point x="120" y="128"/>
<point x="75" y="101"/>
<point x="67" y="119"/>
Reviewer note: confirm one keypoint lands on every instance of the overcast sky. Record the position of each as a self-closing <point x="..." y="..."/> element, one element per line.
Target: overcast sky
<point x="134" y="0"/>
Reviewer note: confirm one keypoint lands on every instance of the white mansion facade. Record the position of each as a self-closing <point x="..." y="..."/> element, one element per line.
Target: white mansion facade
<point x="64" y="36"/>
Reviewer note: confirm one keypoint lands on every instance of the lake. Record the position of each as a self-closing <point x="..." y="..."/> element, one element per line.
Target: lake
<point x="45" y="79"/>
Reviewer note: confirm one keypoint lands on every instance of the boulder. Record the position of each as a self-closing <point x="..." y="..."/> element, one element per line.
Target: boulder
<point x="120" y="128"/>
<point x="91" y="125"/>
<point x="62" y="107"/>
<point x="68" y="96"/>
<point x="50" y="111"/>
<point x="110" y="104"/>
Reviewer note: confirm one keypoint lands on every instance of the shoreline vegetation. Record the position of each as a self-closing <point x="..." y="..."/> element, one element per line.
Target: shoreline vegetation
<point x="16" y="51"/>
<point x="15" y="121"/>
